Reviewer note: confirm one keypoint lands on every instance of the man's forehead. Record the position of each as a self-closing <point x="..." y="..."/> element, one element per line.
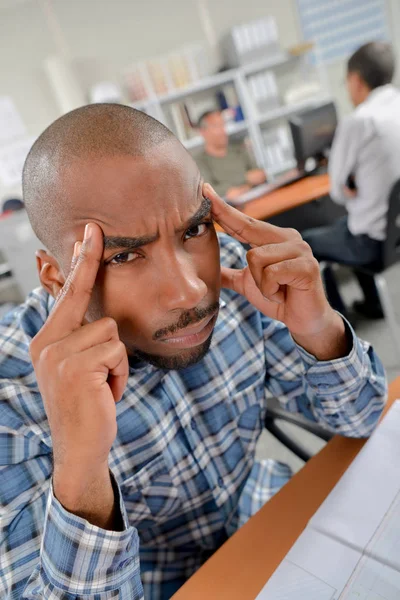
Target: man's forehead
<point x="139" y="237"/>
<point x="90" y="179"/>
<point x="123" y="187"/>
<point x="139" y="216"/>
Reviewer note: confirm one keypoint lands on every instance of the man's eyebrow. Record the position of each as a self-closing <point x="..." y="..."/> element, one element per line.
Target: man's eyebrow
<point x="132" y="243"/>
<point x="199" y="215"/>
<point x="127" y="243"/>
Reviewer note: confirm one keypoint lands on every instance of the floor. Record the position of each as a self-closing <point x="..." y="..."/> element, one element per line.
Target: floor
<point x="377" y="333"/>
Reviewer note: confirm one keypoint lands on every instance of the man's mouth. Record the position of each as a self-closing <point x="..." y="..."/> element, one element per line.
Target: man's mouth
<point x="192" y="336"/>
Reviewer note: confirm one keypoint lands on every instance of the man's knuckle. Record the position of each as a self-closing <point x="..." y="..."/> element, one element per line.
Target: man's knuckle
<point x="48" y="354"/>
<point x="272" y="270"/>
<point x="66" y="370"/>
<point x="253" y="257"/>
<point x="293" y="234"/>
<point x="120" y="347"/>
<point x="311" y="266"/>
<point x="304" y="246"/>
<point x="110" y="325"/>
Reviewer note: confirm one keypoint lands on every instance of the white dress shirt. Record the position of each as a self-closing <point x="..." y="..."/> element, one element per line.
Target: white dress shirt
<point x="367" y="146"/>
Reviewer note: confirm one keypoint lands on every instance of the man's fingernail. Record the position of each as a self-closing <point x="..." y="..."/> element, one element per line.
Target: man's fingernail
<point x="88" y="232"/>
<point x="77" y="249"/>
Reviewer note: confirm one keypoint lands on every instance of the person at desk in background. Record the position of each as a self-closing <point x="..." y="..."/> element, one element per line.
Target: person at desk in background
<point x="363" y="167"/>
<point x="127" y="429"/>
<point x="227" y="165"/>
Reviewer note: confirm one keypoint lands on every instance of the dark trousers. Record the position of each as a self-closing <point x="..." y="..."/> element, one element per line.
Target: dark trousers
<point x="335" y="243"/>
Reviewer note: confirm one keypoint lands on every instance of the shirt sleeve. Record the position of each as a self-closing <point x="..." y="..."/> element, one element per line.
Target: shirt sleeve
<point x="47" y="553"/>
<point x="345" y="395"/>
<point x="346" y="145"/>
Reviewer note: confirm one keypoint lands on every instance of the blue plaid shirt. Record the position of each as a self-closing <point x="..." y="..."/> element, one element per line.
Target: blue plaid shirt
<point x="183" y="461"/>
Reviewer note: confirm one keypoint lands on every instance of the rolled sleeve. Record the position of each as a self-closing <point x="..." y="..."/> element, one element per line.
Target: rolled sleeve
<point x="81" y="559"/>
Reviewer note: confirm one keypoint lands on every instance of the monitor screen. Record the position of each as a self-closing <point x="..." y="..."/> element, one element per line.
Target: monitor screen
<point x="313" y="132"/>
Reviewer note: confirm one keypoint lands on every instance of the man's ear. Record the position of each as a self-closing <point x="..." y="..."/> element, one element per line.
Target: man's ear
<point x="50" y="273"/>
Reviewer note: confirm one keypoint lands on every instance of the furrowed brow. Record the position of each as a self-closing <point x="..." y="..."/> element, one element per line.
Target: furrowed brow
<point x="132" y="243"/>
<point x="127" y="243"/>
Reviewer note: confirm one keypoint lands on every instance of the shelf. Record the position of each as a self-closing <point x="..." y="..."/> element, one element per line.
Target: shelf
<point x="231" y="129"/>
<point x="285" y="111"/>
<point x="266" y="63"/>
<point x="213" y="81"/>
<point x="202" y="85"/>
<point x="218" y="79"/>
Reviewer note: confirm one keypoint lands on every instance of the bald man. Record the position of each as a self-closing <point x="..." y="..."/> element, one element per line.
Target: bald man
<point x="134" y="383"/>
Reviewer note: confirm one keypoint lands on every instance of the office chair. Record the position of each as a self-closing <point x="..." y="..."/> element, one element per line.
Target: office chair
<point x="390" y="256"/>
<point x="277" y="414"/>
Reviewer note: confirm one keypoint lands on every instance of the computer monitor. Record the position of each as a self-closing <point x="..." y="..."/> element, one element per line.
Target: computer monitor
<point x="313" y="132"/>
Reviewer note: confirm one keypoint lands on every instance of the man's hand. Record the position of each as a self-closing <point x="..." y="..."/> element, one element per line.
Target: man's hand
<point x="282" y="280"/>
<point x="236" y="192"/>
<point x="255" y="177"/>
<point x="82" y="370"/>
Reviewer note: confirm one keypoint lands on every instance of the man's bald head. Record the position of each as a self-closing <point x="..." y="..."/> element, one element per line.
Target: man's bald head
<point x="93" y="131"/>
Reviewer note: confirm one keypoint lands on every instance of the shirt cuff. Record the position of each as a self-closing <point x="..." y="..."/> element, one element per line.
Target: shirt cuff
<point x="347" y="370"/>
<point x="81" y="558"/>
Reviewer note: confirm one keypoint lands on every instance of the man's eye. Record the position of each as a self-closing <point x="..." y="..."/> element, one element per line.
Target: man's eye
<point x="123" y="257"/>
<point x="197" y="230"/>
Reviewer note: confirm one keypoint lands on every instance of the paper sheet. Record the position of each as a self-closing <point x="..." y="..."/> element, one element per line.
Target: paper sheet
<point x="350" y="550"/>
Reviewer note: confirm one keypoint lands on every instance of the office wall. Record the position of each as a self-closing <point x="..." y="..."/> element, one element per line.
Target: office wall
<point x="105" y="36"/>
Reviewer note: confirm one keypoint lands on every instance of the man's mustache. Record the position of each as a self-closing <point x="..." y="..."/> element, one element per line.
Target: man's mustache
<point x="187" y="318"/>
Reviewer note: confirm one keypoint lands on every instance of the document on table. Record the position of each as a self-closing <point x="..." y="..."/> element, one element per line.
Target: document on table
<point x="350" y="550"/>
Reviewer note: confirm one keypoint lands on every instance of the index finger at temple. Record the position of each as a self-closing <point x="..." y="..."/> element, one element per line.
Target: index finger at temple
<point x="241" y="226"/>
<point x="73" y="300"/>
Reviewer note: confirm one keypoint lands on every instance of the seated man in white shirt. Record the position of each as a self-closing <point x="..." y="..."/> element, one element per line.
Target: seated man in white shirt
<point x="363" y="166"/>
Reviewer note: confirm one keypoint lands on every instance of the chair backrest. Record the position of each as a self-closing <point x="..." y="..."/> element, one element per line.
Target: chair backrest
<point x="19" y="243"/>
<point x="391" y="247"/>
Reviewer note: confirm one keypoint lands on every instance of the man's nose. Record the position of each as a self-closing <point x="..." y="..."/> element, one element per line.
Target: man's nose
<point x="180" y="286"/>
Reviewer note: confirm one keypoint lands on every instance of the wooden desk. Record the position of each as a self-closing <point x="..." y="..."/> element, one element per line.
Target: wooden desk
<point x="289" y="197"/>
<point x="242" y="566"/>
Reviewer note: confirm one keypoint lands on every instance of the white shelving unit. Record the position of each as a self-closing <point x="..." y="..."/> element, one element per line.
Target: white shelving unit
<point x="288" y="111"/>
<point x="254" y="119"/>
<point x="211" y="82"/>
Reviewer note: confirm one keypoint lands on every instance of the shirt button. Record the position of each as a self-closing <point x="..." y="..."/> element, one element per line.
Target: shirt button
<point x="193" y="425"/>
<point x="220" y="482"/>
